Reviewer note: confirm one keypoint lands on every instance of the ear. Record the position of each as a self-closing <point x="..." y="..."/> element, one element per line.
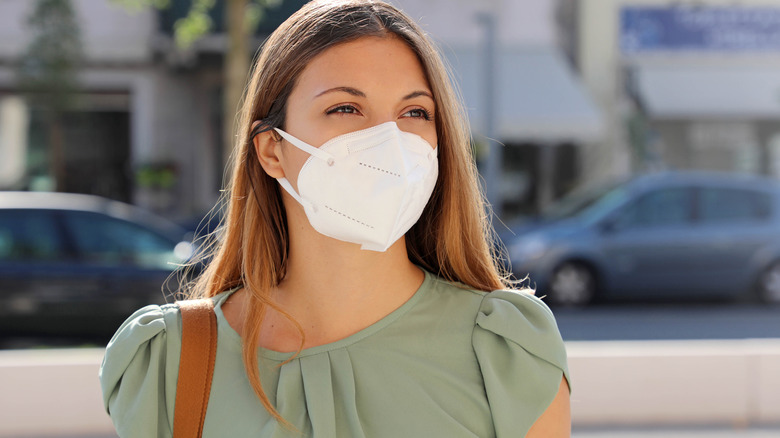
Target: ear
<point x="268" y="149"/>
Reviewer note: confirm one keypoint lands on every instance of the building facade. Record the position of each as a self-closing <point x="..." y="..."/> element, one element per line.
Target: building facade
<point x="524" y="97"/>
<point x="683" y="85"/>
<point x="148" y="123"/>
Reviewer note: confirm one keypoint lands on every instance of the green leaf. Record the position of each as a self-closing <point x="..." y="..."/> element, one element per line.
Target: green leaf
<point x="189" y="29"/>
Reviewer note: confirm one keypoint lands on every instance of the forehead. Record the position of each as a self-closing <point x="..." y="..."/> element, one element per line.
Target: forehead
<point x="368" y="62"/>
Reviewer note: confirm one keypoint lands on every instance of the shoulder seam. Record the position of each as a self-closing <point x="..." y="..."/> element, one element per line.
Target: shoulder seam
<point x="460" y="286"/>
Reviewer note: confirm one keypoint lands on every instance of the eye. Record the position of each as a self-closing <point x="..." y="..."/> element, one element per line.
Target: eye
<point x="342" y="109"/>
<point x="418" y="113"/>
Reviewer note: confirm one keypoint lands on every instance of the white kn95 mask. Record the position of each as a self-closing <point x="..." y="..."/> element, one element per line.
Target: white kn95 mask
<point x="366" y="187"/>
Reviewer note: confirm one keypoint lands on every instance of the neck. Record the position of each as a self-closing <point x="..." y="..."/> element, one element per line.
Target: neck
<point x="339" y="272"/>
<point x="334" y="288"/>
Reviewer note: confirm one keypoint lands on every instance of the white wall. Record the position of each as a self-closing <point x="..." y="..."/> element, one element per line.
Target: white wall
<point x="454" y="22"/>
<point x="110" y="33"/>
<point x="14" y="118"/>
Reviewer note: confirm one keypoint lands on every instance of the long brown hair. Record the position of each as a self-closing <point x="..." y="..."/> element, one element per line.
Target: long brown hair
<point x="451" y="239"/>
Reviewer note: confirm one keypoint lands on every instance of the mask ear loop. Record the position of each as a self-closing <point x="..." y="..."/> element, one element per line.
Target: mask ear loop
<point x="289" y="189"/>
<point x="309" y="149"/>
<point x="312" y="151"/>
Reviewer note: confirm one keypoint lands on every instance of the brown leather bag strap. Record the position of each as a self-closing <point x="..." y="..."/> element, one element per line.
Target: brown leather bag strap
<point x="196" y="366"/>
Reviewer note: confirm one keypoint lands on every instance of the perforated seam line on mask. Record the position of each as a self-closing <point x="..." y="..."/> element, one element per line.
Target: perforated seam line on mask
<point x="377" y="168"/>
<point x="349" y="217"/>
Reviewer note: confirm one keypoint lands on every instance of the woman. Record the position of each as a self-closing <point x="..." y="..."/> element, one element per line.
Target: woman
<point x="351" y="283"/>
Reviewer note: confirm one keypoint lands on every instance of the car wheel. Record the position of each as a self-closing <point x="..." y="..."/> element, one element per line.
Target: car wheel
<point x="572" y="284"/>
<point x="769" y="284"/>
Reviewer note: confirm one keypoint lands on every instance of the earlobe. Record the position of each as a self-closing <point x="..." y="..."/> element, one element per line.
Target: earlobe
<point x="268" y="149"/>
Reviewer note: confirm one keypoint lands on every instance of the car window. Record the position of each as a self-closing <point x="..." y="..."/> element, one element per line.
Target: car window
<point x="580" y="200"/>
<point x="29" y="235"/>
<point x="106" y="240"/>
<point x="664" y="207"/>
<point x="719" y="205"/>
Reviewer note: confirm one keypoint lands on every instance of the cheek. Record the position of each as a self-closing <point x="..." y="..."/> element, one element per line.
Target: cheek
<point x="433" y="140"/>
<point x="430" y="137"/>
<point x="425" y="130"/>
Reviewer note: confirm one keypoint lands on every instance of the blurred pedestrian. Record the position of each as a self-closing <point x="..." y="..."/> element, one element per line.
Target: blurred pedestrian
<point x="351" y="285"/>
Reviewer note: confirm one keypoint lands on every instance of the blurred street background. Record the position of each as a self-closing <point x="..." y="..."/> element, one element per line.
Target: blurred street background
<point x="630" y="150"/>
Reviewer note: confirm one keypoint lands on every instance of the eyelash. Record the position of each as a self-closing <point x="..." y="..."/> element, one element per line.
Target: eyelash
<point x="426" y="115"/>
<point x="340" y="110"/>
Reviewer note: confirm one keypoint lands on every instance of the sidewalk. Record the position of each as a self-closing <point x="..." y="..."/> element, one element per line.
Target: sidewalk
<point x="662" y="432"/>
<point x="629" y="432"/>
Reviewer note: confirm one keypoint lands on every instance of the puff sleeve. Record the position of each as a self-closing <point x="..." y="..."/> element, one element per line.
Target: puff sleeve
<point x="139" y="372"/>
<point x="521" y="356"/>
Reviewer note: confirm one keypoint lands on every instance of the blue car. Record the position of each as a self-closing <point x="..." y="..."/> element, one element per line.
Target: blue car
<point x="669" y="235"/>
<point x="78" y="265"/>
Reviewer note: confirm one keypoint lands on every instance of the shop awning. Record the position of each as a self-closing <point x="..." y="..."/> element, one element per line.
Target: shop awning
<point x="716" y="92"/>
<point x="538" y="97"/>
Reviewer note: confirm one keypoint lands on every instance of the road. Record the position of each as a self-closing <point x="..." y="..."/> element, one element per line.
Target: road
<point x="612" y="322"/>
<point x="669" y="321"/>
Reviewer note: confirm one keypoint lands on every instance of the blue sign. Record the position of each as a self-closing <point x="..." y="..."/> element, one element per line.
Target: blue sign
<point x="701" y="28"/>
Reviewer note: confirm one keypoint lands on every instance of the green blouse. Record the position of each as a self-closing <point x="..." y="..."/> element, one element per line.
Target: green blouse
<point x="450" y="362"/>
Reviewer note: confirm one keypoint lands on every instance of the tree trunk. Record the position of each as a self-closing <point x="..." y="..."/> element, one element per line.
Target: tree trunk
<point x="57" y="152"/>
<point x="236" y="67"/>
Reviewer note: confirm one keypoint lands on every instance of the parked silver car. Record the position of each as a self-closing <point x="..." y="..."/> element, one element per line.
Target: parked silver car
<point x="78" y="265"/>
<point x="670" y="235"/>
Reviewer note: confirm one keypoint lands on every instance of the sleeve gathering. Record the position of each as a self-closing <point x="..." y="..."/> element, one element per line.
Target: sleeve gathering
<point x="522" y="358"/>
<point x="139" y="372"/>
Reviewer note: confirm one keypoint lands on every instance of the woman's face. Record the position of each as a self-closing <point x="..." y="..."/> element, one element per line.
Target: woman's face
<point x="354" y="86"/>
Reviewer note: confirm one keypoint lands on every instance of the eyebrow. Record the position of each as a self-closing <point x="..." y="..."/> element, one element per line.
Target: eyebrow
<point x="348" y="90"/>
<point x="418" y="93"/>
<point x="358" y="93"/>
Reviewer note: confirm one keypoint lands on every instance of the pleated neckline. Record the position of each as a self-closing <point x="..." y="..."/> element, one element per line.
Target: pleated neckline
<point x="235" y="339"/>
